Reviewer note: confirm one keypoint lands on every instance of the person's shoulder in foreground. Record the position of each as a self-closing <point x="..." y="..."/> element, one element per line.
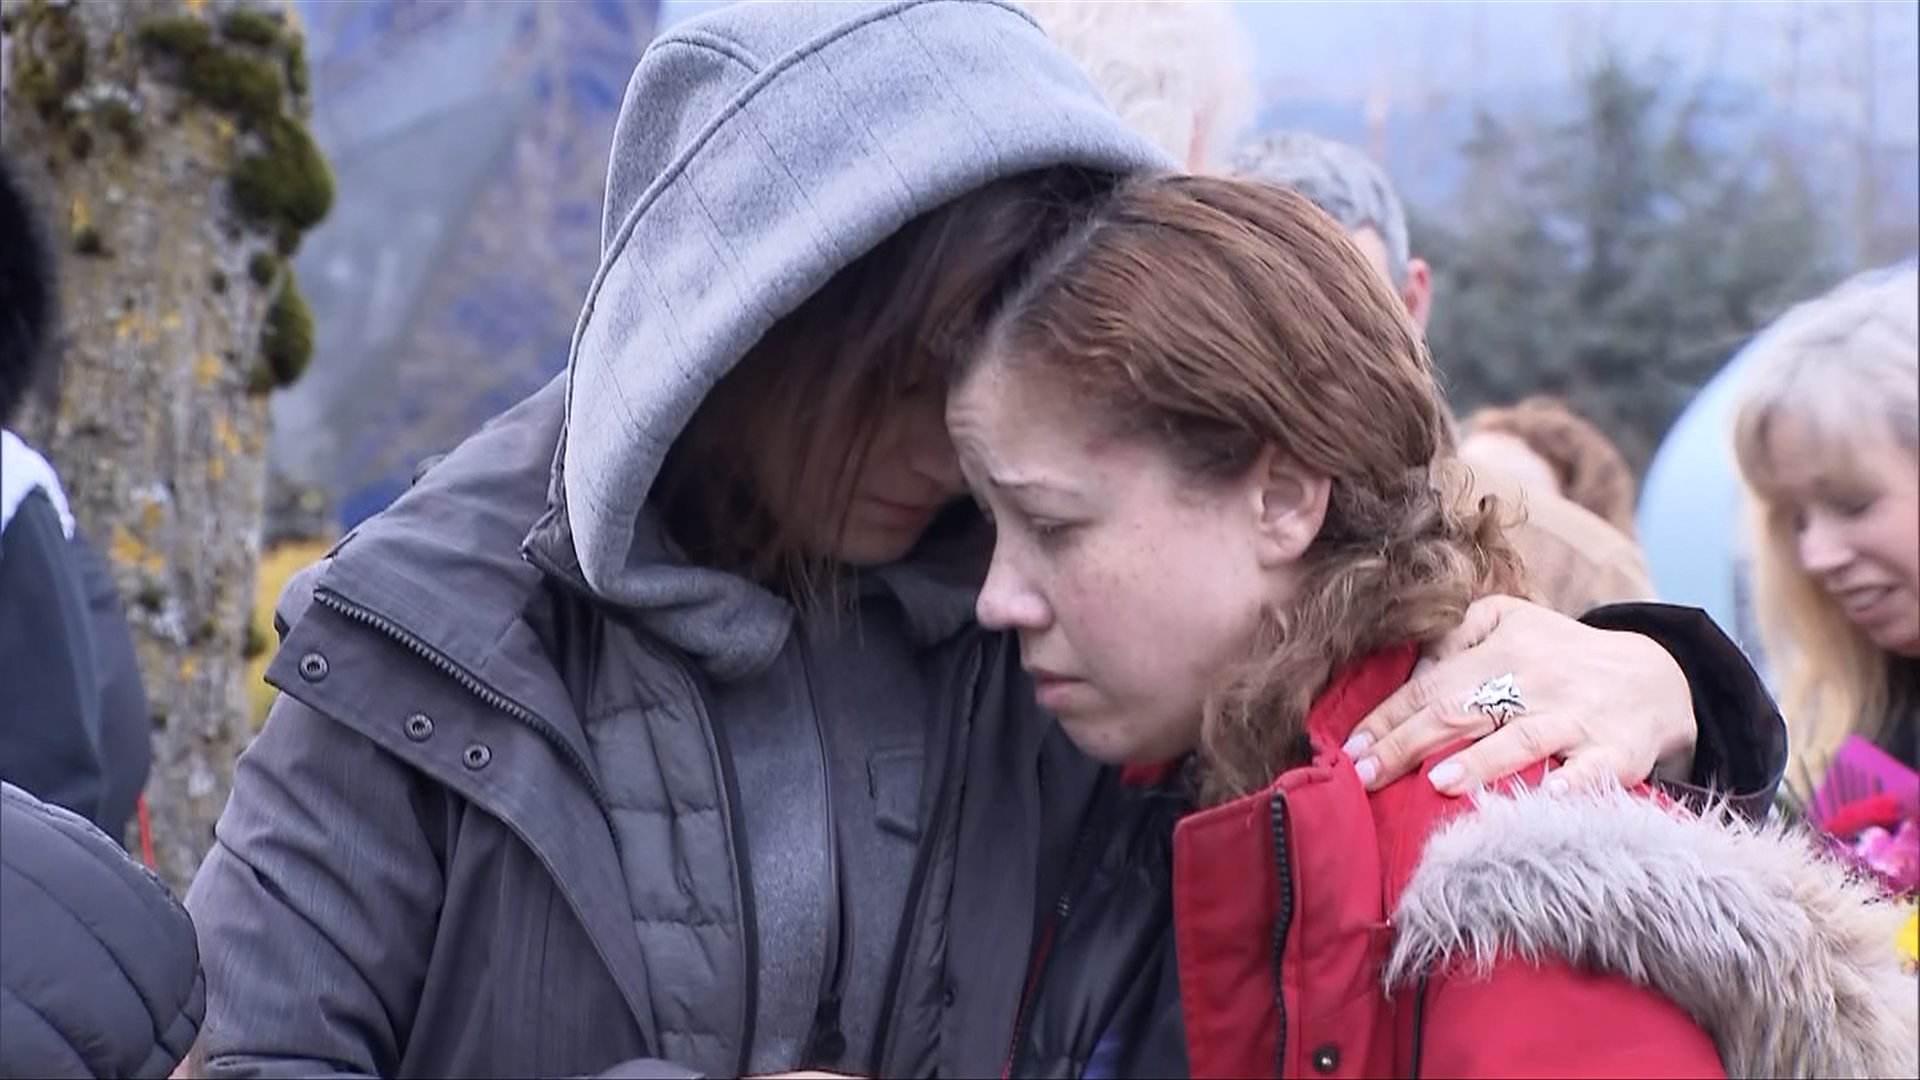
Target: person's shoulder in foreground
<point x="99" y="970"/>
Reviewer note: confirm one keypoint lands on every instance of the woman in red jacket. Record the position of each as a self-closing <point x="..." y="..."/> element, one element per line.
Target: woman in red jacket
<point x="1208" y="438"/>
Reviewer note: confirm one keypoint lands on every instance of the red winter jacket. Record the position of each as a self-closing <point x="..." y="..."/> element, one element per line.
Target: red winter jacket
<point x="1318" y="930"/>
<point x="1332" y="862"/>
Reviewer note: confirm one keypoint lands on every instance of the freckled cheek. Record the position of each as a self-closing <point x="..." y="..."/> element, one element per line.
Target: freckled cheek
<point x="1110" y="614"/>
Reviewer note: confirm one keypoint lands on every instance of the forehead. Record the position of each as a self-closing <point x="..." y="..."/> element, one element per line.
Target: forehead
<point x="1003" y="418"/>
<point x="1805" y="456"/>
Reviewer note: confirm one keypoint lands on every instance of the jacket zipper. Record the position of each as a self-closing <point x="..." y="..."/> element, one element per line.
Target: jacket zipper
<point x="923" y="862"/>
<point x="826" y="1019"/>
<point x="730" y="790"/>
<point x="1083" y="846"/>
<point x="743" y="871"/>
<point x="1419" y="1024"/>
<point x="488" y="696"/>
<point x="1284" y="865"/>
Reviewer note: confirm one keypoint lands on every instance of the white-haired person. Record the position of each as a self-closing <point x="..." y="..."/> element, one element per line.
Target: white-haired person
<point x="1826" y="436"/>
<point x="1576" y="559"/>
<point x="1177" y="71"/>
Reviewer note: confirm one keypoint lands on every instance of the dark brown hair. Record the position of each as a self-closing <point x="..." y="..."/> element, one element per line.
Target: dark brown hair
<point x="26" y="299"/>
<point x="1591" y="471"/>
<point x="1217" y="317"/>
<point x="773" y="453"/>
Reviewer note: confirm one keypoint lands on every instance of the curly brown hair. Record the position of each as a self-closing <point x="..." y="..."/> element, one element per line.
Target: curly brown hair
<point x="1591" y="471"/>
<point x="1216" y="317"/>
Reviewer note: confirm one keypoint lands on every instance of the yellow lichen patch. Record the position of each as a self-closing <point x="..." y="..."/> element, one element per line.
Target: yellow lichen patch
<point x="206" y="370"/>
<point x="81" y="229"/>
<point x="277" y="566"/>
<point x="224" y="436"/>
<point x="189" y="667"/>
<point x="196" y="6"/>
<point x="171" y="321"/>
<point x="217" y="469"/>
<point x="151" y="517"/>
<point x="126" y="548"/>
<point x="135" y="325"/>
<point x="225" y="131"/>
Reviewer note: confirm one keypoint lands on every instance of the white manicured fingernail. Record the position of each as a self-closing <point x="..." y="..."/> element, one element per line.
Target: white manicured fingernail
<point x="1358" y="744"/>
<point x="1367" y="770"/>
<point x="1446" y="774"/>
<point x="1556" y="785"/>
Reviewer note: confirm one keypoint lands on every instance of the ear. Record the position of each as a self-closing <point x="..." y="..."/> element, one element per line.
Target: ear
<point x="1418" y="293"/>
<point x="1292" y="506"/>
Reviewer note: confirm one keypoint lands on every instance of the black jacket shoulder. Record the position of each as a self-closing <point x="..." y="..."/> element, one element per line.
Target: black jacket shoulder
<point x="50" y="719"/>
<point x="126" y="722"/>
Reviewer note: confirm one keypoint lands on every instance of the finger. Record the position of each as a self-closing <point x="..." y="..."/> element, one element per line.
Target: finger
<point x="1442" y="666"/>
<point x="1587" y="772"/>
<point x="1522" y="744"/>
<point x="1424" y="697"/>
<point x="1482" y="618"/>
<point x="1427" y="732"/>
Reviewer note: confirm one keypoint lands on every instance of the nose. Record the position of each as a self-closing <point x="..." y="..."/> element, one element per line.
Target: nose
<point x="1008" y="599"/>
<point x="1822" y="546"/>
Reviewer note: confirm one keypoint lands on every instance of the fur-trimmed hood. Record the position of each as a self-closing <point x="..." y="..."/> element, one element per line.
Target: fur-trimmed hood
<point x="1774" y="947"/>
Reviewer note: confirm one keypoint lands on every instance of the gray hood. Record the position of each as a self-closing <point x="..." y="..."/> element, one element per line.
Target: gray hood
<point x="760" y="149"/>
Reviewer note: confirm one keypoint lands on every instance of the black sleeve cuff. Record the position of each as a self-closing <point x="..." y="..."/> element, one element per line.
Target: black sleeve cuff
<point x="1741" y="753"/>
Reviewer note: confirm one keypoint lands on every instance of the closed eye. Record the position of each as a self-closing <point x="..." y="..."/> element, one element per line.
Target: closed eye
<point x="1050" y="532"/>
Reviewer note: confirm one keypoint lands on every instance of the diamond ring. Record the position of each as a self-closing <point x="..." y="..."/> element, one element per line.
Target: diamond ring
<point x="1498" y="699"/>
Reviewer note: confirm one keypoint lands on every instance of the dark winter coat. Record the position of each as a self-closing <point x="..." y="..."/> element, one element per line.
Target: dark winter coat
<point x="99" y="969"/>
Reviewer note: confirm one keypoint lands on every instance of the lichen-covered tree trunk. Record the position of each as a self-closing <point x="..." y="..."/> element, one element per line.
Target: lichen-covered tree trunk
<point x="166" y="144"/>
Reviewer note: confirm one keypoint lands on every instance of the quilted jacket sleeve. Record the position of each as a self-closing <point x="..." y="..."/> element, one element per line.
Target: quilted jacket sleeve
<point x="99" y="970"/>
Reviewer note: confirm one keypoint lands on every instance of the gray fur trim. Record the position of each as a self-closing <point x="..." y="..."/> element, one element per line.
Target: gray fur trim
<point x="1771" y="946"/>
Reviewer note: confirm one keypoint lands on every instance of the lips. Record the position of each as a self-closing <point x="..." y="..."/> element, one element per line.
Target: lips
<point x="901" y="512"/>
<point x="1861" y="601"/>
<point x="1053" y="690"/>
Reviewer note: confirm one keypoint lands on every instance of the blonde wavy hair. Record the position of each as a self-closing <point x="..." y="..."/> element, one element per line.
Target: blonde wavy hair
<point x="1214" y="318"/>
<point x="1836" y="364"/>
<point x="1177" y="71"/>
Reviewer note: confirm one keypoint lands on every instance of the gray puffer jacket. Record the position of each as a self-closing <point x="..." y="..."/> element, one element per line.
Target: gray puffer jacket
<point x="99" y="975"/>
<point x="490" y="827"/>
<point x="437" y="837"/>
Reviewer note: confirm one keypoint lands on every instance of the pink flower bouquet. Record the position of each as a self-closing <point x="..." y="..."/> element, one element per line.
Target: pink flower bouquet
<point x="1869" y="806"/>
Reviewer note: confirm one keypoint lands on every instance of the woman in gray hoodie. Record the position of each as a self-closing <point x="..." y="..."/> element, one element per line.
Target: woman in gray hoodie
<point x="651" y="732"/>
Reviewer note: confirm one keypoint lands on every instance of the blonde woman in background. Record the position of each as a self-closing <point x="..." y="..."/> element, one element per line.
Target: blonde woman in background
<point x="1826" y="438"/>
